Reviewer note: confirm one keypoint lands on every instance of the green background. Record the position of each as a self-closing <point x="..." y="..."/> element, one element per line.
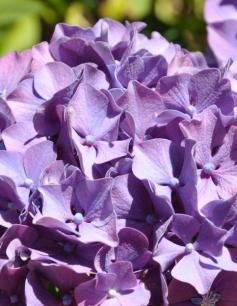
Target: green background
<point x="27" y="22"/>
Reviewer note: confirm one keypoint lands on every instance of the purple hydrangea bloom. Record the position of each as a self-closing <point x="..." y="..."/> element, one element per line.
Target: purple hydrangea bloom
<point x="215" y="156"/>
<point x="222" y="292"/>
<point x="133" y="246"/>
<point x="118" y="166"/>
<point x="204" y="256"/>
<point x="221" y="15"/>
<point x="117" y="287"/>
<point x="221" y="19"/>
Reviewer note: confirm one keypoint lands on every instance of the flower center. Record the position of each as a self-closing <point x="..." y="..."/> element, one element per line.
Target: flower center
<point x="147" y="137"/>
<point x="191" y="109"/>
<point x="89" y="139"/>
<point x="189" y="248"/>
<point x="208" y="168"/>
<point x="28" y="182"/>
<point x="3" y="93"/>
<point x="112" y="293"/>
<point x="68" y="248"/>
<point x="174" y="182"/>
<point x="78" y="218"/>
<point x="25" y="256"/>
<point x="67" y="300"/>
<point x="14" y="299"/>
<point x="151" y="219"/>
<point x="210" y="299"/>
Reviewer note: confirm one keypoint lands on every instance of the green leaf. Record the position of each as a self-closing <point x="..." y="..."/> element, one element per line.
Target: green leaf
<point x="137" y="9"/>
<point x="169" y="11"/>
<point x="11" y="10"/>
<point x="113" y="9"/>
<point x="75" y="14"/>
<point x="199" y="8"/>
<point x="21" y="35"/>
<point x="59" y="6"/>
<point x="120" y="9"/>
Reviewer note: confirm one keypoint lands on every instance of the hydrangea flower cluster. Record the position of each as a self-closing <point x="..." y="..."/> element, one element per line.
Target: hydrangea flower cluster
<point x="221" y="17"/>
<point x="118" y="169"/>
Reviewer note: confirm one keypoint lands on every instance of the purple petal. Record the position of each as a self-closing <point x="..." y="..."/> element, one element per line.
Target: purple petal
<point x="158" y="168"/>
<point x="166" y="253"/>
<point x="56" y="75"/>
<point x="107" y="151"/>
<point x="143" y="104"/>
<point x="11" y="163"/>
<point x="14" y="66"/>
<point x="40" y="55"/>
<point x="199" y="277"/>
<point x="92" y="113"/>
<point x="34" y="153"/>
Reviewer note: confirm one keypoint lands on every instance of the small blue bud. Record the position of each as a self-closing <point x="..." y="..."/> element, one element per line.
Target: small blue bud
<point x="151" y="219"/>
<point x="68" y="248"/>
<point x="112" y="293"/>
<point x="28" y="182"/>
<point x="3" y="93"/>
<point x="191" y="109"/>
<point x="174" y="182"/>
<point x="208" y="168"/>
<point x="78" y="218"/>
<point x="189" y="248"/>
<point x="67" y="300"/>
<point x="89" y="139"/>
<point x="14" y="299"/>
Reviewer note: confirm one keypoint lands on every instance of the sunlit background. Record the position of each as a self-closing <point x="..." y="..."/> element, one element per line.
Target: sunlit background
<point x="26" y="22"/>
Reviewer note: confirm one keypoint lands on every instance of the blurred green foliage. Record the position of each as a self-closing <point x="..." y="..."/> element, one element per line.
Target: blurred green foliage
<point x="26" y="22"/>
